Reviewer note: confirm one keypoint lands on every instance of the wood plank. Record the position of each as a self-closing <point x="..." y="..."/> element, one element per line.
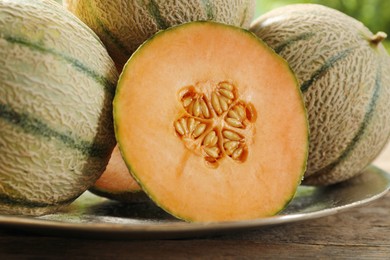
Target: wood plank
<point x="359" y="233"/>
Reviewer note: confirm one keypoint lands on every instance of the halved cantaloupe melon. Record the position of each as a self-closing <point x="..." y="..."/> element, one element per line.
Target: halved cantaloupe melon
<point x="211" y="123"/>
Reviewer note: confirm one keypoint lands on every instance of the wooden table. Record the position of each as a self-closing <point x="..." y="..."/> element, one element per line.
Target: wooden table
<point x="359" y="233"/>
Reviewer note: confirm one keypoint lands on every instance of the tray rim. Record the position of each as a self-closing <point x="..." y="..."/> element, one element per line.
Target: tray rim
<point x="167" y="230"/>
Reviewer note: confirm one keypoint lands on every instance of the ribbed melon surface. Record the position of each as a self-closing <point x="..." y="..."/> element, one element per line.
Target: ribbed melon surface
<point x="57" y="83"/>
<point x="344" y="73"/>
<point x="124" y="25"/>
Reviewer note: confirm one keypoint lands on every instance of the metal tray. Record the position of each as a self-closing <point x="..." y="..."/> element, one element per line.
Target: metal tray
<point x="95" y="217"/>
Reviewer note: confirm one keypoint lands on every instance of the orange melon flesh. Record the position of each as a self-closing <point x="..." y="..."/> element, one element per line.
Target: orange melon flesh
<point x="116" y="178"/>
<point x="117" y="183"/>
<point x="172" y="169"/>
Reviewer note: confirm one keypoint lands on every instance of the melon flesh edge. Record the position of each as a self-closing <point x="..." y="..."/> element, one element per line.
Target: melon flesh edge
<point x="117" y="183"/>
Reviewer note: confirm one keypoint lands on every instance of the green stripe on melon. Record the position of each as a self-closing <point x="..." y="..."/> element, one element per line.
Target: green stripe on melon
<point x="358" y="150"/>
<point x="209" y="10"/>
<point x="57" y="85"/>
<point x="154" y="11"/>
<point x="40" y="129"/>
<point x="344" y="73"/>
<point x="124" y="26"/>
<point x="324" y="68"/>
<point x="304" y="36"/>
<point x="109" y="84"/>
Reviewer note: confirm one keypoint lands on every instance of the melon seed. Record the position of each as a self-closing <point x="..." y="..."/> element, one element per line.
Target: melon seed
<point x="205" y="109"/>
<point x="199" y="130"/>
<point x="212" y="151"/>
<point x="227" y="93"/>
<point x="233" y="114"/>
<point x="237" y="153"/>
<point x="234" y="122"/>
<point x="230" y="146"/>
<point x="196" y="109"/>
<point x="226" y="85"/>
<point x="183" y="123"/>
<point x="192" y="124"/>
<point x="215" y="103"/>
<point x="187" y="101"/>
<point x="211" y="139"/>
<point x="231" y="135"/>
<point x="241" y="111"/>
<point x="224" y="103"/>
<point x="179" y="128"/>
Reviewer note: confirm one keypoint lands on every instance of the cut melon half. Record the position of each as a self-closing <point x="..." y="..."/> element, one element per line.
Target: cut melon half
<point x="211" y="123"/>
<point x="117" y="183"/>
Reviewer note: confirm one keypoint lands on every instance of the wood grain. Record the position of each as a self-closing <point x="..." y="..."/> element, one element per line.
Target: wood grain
<point x="359" y="233"/>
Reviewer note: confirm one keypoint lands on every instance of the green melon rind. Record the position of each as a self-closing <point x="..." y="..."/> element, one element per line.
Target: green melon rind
<point x="62" y="157"/>
<point x="108" y="84"/>
<point x="113" y="42"/>
<point x="367" y="126"/>
<point x="128" y="160"/>
<point x="30" y="125"/>
<point x="31" y="208"/>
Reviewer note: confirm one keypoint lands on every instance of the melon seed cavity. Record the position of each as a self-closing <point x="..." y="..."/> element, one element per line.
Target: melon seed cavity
<point x="215" y="123"/>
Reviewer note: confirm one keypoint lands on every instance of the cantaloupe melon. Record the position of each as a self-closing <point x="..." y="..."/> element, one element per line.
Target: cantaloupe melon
<point x="117" y="183"/>
<point x="57" y="83"/>
<point x="123" y="25"/>
<point x="211" y="123"/>
<point x="344" y="73"/>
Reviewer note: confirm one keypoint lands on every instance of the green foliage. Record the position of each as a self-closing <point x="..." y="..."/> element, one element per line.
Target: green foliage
<point x="387" y="45"/>
<point x="375" y="14"/>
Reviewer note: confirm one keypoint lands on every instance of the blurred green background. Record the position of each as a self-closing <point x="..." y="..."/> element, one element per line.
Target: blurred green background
<point x="375" y="14"/>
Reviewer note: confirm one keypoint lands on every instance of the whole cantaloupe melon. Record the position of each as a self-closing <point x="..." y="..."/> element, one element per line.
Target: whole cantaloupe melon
<point x="124" y="25"/>
<point x="57" y="83"/>
<point x="344" y="73"/>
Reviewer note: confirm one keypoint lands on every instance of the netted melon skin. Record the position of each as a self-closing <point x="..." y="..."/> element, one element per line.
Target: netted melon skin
<point x="345" y="80"/>
<point x="125" y="25"/>
<point x="57" y="83"/>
